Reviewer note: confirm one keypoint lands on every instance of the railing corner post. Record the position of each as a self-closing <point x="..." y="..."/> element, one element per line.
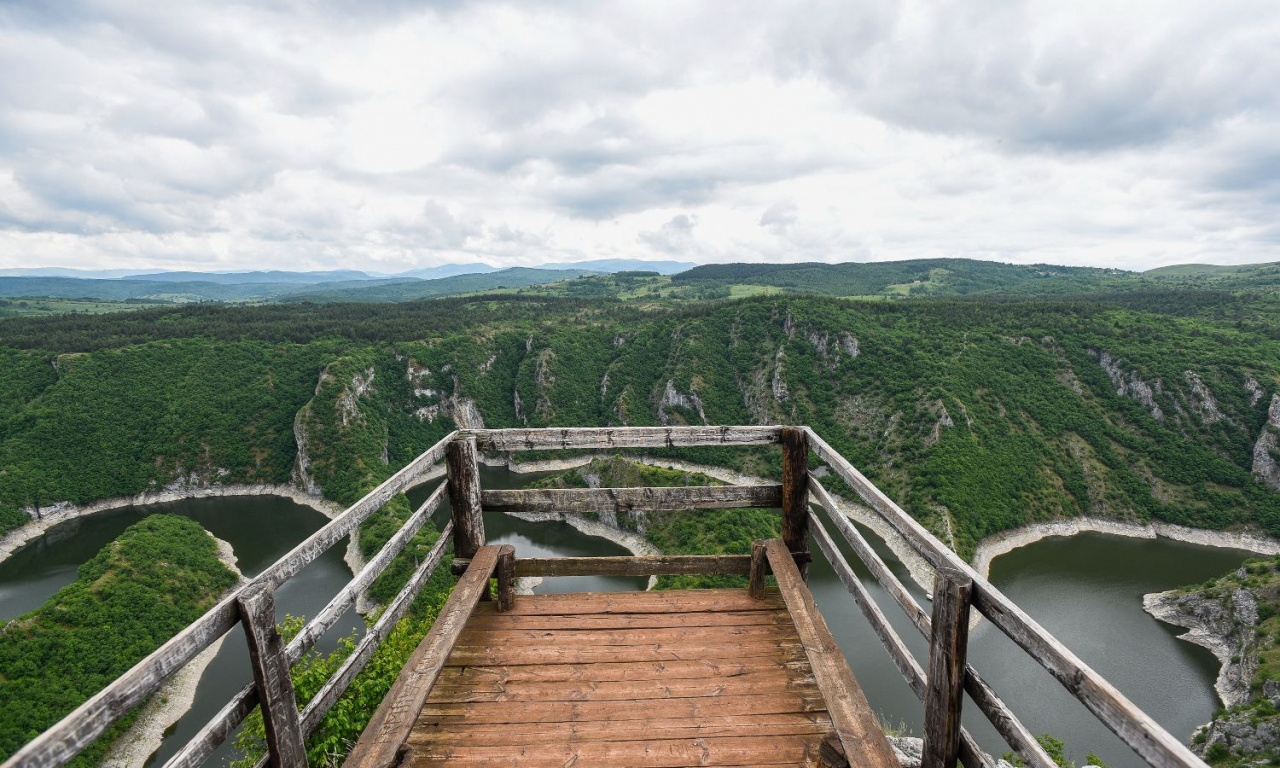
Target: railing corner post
<point x="948" y="647"/>
<point x="795" y="493"/>
<point x="506" y="577"/>
<point x="285" y="746"/>
<point x="759" y="569"/>
<point x="464" y="496"/>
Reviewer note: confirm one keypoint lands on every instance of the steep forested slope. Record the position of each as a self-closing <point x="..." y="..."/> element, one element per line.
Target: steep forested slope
<point x="977" y="416"/>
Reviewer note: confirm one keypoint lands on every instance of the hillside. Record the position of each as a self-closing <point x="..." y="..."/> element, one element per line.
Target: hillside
<point x="413" y="290"/>
<point x="977" y="416"/>
<point x="94" y="629"/>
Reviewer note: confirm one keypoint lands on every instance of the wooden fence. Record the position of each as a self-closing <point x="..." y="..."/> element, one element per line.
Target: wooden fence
<point x="940" y="686"/>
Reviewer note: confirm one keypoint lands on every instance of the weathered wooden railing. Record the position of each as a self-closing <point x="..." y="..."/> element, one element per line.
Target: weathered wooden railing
<point x="957" y="587"/>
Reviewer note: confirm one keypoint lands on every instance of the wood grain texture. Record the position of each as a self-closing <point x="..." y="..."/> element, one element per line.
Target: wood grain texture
<point x="622" y="500"/>
<point x="795" y="492"/>
<point x="285" y="744"/>
<point x="1136" y="728"/>
<point x="758" y="570"/>
<point x="642" y="565"/>
<point x="948" y="644"/>
<point x="390" y="726"/>
<point x="506" y="574"/>
<point x="464" y="497"/>
<point x="719" y="678"/>
<point x="1015" y="734"/>
<point x="506" y="440"/>
<point x="854" y="720"/>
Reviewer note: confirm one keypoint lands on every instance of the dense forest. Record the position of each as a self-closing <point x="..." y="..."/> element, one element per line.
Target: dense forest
<point x="156" y="578"/>
<point x="977" y="416"/>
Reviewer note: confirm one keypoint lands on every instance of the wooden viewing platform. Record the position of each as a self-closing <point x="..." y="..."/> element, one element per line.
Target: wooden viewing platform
<point x="737" y="677"/>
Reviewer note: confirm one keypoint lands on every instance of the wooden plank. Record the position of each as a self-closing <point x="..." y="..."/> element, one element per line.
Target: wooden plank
<point x="464" y="497"/>
<point x="621" y="671"/>
<point x="285" y="744"/>
<point x="948" y="646"/>
<point x="644" y="753"/>
<point x="757" y="683"/>
<point x="854" y="720"/>
<point x="552" y="712"/>
<point x="1002" y="718"/>
<point x="1135" y="727"/>
<point x="506" y="577"/>
<point x="520" y="734"/>
<point x="483" y="619"/>
<point x="795" y="493"/>
<point x="391" y="616"/>
<point x="970" y="753"/>
<point x="623" y="500"/>
<point x="831" y="753"/>
<point x="641" y="565"/>
<point x="758" y="570"/>
<point x="601" y="638"/>
<point x="502" y="655"/>
<point x="693" y="601"/>
<point x="394" y="719"/>
<point x="608" y="438"/>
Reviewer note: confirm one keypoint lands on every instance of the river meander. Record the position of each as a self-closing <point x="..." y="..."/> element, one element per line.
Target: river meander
<point x="1086" y="589"/>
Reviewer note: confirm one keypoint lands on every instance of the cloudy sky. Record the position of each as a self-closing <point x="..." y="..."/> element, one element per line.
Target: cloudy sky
<point x="384" y="135"/>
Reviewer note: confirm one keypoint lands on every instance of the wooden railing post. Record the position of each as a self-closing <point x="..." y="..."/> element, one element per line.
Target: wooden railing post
<point x="506" y="577"/>
<point x="948" y="645"/>
<point x="464" y="497"/>
<point x="285" y="747"/>
<point x="795" y="493"/>
<point x="759" y="569"/>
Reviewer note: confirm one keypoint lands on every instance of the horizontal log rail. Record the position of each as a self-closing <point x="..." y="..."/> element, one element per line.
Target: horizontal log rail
<point x="465" y="533"/>
<point x="611" y="438"/>
<point x="616" y="500"/>
<point x="652" y="565"/>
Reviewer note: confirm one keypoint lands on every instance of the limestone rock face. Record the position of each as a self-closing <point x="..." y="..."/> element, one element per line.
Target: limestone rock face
<point x="1265" y="466"/>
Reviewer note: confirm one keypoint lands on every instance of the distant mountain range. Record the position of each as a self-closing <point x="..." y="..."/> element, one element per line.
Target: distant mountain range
<point x="601" y="278"/>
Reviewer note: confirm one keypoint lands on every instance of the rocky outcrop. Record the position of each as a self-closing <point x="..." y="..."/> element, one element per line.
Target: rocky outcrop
<point x="674" y="398"/>
<point x="1202" y="401"/>
<point x="1254" y="389"/>
<point x="1265" y="450"/>
<point x="1129" y="384"/>
<point x="1226" y="625"/>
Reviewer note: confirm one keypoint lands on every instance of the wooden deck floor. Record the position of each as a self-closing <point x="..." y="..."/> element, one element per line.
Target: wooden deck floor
<point x="654" y="679"/>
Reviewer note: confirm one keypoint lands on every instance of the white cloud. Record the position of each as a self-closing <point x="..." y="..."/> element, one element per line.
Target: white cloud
<point x="391" y="135"/>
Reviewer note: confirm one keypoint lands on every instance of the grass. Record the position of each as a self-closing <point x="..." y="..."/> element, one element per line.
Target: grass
<point x="40" y="306"/>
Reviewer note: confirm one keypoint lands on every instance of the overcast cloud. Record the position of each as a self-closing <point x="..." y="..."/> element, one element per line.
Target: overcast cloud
<point x="389" y="135"/>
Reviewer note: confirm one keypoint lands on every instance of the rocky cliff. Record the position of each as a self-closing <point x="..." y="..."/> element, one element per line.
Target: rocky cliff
<point x="1235" y="617"/>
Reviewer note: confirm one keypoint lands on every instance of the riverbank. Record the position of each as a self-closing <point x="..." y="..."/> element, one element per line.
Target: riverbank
<point x="632" y="542"/>
<point x="174" y="699"/>
<point x="55" y="515"/>
<point x="1006" y="541"/>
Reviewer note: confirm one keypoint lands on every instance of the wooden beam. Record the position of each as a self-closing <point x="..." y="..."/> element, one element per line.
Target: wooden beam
<point x="971" y="755"/>
<point x="609" y="438"/>
<point x="1135" y="727"/>
<point x="380" y="743"/>
<point x="795" y="492"/>
<point x="620" y="500"/>
<point x="855" y="722"/>
<point x="1015" y="734"/>
<point x="759" y="569"/>
<point x="506" y="577"/>
<point x="464" y="497"/>
<point x="952" y="590"/>
<point x="645" y="565"/>
<point x="285" y="745"/>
